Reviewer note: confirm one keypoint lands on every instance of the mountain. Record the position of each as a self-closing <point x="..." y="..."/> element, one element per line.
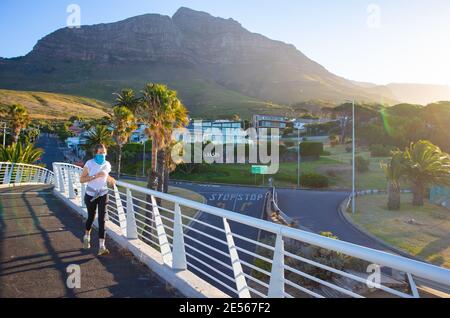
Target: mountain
<point x="218" y="67"/>
<point x="54" y="106"/>
<point x="420" y="93"/>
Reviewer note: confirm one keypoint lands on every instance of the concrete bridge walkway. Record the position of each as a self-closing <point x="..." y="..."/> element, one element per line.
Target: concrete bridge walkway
<point x="40" y="237"/>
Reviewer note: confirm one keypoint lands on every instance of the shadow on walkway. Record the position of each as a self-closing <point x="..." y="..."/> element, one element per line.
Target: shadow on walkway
<point x="40" y="237"/>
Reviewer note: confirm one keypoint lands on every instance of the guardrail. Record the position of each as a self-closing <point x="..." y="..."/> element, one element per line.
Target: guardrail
<point x="248" y="257"/>
<point x="21" y="174"/>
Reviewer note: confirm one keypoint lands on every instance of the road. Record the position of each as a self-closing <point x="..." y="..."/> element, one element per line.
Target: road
<point x="317" y="211"/>
<point x="53" y="150"/>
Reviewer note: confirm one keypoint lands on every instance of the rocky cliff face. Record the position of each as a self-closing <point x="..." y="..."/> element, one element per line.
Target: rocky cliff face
<point x="183" y="48"/>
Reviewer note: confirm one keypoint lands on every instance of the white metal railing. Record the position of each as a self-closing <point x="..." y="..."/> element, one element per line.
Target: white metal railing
<point x="20" y="174"/>
<point x="250" y="257"/>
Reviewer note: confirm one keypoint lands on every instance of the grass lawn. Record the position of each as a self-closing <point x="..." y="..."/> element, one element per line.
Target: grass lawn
<point x="41" y="105"/>
<point x="427" y="237"/>
<point x="336" y="166"/>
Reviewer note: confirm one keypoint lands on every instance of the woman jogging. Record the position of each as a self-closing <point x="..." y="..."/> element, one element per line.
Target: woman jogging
<point x="96" y="175"/>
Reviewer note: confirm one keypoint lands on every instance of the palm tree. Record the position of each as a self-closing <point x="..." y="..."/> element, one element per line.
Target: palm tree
<point x="99" y="135"/>
<point x="18" y="153"/>
<point x="425" y="164"/>
<point x="127" y="98"/>
<point x="169" y="164"/>
<point x="393" y="171"/>
<point x="162" y="111"/>
<point x="18" y="118"/>
<point x="124" y="125"/>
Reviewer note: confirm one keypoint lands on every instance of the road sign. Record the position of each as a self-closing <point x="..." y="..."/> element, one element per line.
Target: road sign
<point x="260" y="170"/>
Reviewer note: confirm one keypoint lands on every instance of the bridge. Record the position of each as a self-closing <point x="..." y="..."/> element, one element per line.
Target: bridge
<point x="167" y="246"/>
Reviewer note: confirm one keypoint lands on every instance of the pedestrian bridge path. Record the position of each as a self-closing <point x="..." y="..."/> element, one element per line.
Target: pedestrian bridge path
<point x="40" y="239"/>
<point x="167" y="246"/>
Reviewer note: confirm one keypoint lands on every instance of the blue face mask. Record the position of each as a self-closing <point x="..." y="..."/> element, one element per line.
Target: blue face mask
<point x="100" y="159"/>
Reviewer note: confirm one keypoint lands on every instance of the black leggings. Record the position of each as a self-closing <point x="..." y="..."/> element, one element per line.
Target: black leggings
<point x="100" y="202"/>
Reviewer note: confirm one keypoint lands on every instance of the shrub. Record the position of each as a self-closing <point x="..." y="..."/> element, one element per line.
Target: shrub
<point x="321" y="255"/>
<point x="334" y="140"/>
<point x="348" y="149"/>
<point x="311" y="149"/>
<point x="314" y="180"/>
<point x="380" y="151"/>
<point x="361" y="164"/>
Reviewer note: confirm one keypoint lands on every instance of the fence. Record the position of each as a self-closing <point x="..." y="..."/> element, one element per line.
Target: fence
<point x="20" y="174"/>
<point x="248" y="257"/>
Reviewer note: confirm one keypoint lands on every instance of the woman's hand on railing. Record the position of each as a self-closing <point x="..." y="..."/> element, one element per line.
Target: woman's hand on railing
<point x="111" y="182"/>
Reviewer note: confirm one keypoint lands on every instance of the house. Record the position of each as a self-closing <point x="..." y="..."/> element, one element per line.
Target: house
<point x="269" y="121"/>
<point x="75" y="145"/>
<point x="139" y="134"/>
<point x="215" y="131"/>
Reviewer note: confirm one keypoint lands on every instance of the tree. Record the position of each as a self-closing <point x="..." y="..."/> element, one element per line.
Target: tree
<point x="99" y="135"/>
<point x="124" y="125"/>
<point x="393" y="171"/>
<point x="126" y="98"/>
<point x="19" y="153"/>
<point x="162" y="111"/>
<point x="17" y="118"/>
<point x="425" y="164"/>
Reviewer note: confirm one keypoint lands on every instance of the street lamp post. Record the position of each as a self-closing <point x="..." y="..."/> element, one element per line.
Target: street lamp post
<point x="143" y="159"/>
<point x="353" y="158"/>
<point x="4" y="134"/>
<point x="298" y="157"/>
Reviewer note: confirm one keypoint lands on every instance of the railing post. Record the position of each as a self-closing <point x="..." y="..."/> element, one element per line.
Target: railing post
<point x="6" y="174"/>
<point x="44" y="177"/>
<point x="120" y="211"/>
<point x="276" y="285"/>
<point x="179" y="252"/>
<point x="70" y="184"/>
<point x="56" y="174"/>
<point x="132" y="233"/>
<point x="9" y="174"/>
<point x="18" y="178"/>
<point x="239" y="278"/>
<point x="162" y="237"/>
<point x="37" y="176"/>
<point x="29" y="171"/>
<point x="61" y="179"/>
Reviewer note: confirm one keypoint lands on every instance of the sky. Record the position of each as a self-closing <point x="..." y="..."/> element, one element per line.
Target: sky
<point x="378" y="41"/>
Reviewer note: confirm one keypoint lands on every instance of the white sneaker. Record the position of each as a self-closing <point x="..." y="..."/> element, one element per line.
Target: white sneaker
<point x="86" y="243"/>
<point x="103" y="251"/>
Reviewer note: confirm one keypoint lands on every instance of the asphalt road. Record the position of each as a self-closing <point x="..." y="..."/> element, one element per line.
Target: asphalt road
<point x="52" y="150"/>
<point x="317" y="211"/>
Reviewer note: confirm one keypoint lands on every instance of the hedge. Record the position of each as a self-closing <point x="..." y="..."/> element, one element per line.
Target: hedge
<point x="311" y="149"/>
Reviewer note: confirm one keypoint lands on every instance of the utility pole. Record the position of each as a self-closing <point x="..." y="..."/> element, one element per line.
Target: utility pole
<point x="298" y="157"/>
<point x="353" y="158"/>
<point x="143" y="159"/>
<point x="4" y="134"/>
